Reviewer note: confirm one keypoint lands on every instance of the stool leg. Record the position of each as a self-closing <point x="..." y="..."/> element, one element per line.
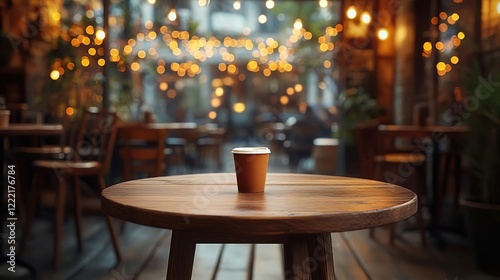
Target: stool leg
<point x="60" y="204"/>
<point x="421" y="189"/>
<point x="111" y="228"/>
<point x="31" y="209"/>
<point x="78" y="213"/>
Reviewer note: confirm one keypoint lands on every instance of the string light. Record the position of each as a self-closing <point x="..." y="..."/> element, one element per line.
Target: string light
<point x="172" y="15"/>
<point x="297" y="25"/>
<point x="365" y="17"/>
<point x="269" y="4"/>
<point x="236" y="5"/>
<point x="383" y="34"/>
<point x="351" y="12"/>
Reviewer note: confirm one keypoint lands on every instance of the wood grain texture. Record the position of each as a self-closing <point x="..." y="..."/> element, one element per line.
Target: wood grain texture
<point x="291" y="203"/>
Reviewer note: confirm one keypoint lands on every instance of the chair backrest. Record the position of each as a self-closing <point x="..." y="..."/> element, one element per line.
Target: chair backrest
<point x="367" y="143"/>
<point x="96" y="137"/>
<point x="142" y="150"/>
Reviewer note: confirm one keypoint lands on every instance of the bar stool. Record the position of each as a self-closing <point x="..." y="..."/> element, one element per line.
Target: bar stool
<point x="405" y="169"/>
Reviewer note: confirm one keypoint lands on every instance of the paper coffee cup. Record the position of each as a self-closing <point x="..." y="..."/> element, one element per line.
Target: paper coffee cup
<point x="4" y="118"/>
<point x="251" y="168"/>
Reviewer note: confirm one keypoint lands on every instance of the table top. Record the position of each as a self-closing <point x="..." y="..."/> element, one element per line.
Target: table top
<point x="168" y="126"/>
<point x="31" y="129"/>
<point x="291" y="203"/>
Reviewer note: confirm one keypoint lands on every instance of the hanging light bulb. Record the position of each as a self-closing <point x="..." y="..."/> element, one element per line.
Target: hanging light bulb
<point x="365" y="17"/>
<point x="172" y="15"/>
<point x="297" y="24"/>
<point x="351" y="12"/>
<point x="269" y="4"/>
<point x="203" y="3"/>
<point x="237" y="5"/>
<point x="383" y="34"/>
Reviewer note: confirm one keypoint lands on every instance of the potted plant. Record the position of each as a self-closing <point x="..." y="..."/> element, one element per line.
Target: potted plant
<point x="482" y="203"/>
<point x="356" y="107"/>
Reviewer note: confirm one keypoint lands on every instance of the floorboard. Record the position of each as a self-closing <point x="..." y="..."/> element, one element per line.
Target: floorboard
<point x="145" y="253"/>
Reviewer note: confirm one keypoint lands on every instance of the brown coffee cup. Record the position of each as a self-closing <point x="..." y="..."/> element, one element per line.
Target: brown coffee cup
<point x="4" y="118"/>
<point x="251" y="168"/>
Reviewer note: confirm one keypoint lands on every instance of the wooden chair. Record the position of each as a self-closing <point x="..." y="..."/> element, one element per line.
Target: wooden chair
<point x="209" y="147"/>
<point x="90" y="157"/>
<point x="378" y="161"/>
<point x="180" y="149"/>
<point x="142" y="151"/>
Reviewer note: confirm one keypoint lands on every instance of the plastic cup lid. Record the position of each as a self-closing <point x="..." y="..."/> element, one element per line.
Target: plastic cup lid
<point x="251" y="150"/>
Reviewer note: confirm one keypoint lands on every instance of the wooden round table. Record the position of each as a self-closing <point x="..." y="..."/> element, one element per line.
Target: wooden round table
<point x="299" y="211"/>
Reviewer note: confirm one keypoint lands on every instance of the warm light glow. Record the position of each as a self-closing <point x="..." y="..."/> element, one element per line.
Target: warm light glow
<point x="85" y="61"/>
<point x="498" y="7"/>
<point x="215" y="102"/>
<point x="100" y="34"/>
<point x="89" y="30"/>
<point x="56" y="16"/>
<point x="439" y="46"/>
<point x="236" y="5"/>
<point x="203" y="3"/>
<point x="163" y="86"/>
<point x="441" y="66"/>
<point x="172" y="15"/>
<point x="269" y="4"/>
<point x="135" y="66"/>
<point x="297" y="25"/>
<point x="383" y="34"/>
<point x="323" y="3"/>
<point x="351" y="12"/>
<point x="290" y="91"/>
<point x="461" y="35"/>
<point x="443" y="27"/>
<point x="160" y="69"/>
<point x="54" y="75"/>
<point x="284" y="100"/>
<point x="219" y="92"/>
<point x="262" y="19"/>
<point x="443" y="15"/>
<point x="454" y="59"/>
<point x="298" y="87"/>
<point x="366" y="18"/>
<point x="327" y="64"/>
<point x="239" y="107"/>
<point x="70" y="111"/>
<point x="92" y="51"/>
<point x="455" y="16"/>
<point x="212" y="115"/>
<point x="101" y="62"/>
<point x="152" y="2"/>
<point x="427" y="46"/>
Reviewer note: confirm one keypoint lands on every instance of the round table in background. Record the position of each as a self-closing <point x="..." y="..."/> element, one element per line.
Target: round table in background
<point x="297" y="210"/>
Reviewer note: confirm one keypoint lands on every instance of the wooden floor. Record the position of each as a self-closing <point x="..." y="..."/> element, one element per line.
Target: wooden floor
<point x="145" y="254"/>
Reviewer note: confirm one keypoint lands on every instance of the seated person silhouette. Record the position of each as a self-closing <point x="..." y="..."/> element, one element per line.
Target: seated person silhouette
<point x="302" y="134"/>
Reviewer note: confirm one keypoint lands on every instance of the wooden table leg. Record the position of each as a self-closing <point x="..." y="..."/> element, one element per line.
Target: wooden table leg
<point x="181" y="257"/>
<point x="309" y="257"/>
